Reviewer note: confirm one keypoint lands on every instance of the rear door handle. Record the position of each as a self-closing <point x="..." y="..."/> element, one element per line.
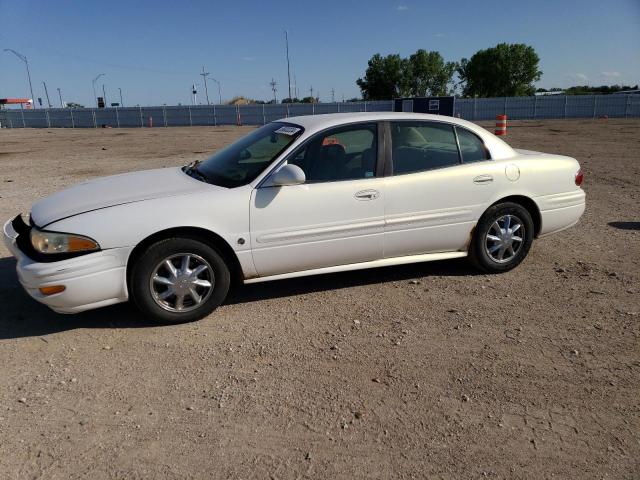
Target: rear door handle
<point x="367" y="194"/>
<point x="483" y="179"/>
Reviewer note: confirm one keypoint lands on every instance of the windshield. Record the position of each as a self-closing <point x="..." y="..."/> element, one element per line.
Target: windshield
<point x="242" y="161"/>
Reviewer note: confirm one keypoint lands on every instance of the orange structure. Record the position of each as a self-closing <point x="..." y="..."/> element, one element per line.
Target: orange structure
<point x="501" y="125"/>
<point x="27" y="102"/>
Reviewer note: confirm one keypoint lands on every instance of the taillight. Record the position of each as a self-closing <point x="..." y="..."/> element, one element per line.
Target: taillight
<point x="579" y="177"/>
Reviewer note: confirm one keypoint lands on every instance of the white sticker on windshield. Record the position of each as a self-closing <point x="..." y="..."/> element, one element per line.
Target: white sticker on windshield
<point x="288" y="130"/>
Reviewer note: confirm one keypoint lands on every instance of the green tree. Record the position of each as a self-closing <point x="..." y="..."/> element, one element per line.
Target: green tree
<point x="506" y="70"/>
<point x="426" y="73"/>
<point x="423" y="73"/>
<point x="384" y="77"/>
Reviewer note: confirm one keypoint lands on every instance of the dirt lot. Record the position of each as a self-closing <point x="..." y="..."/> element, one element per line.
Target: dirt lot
<point x="425" y="371"/>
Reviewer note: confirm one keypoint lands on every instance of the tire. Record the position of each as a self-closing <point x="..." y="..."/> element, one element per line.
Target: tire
<point x="492" y="240"/>
<point x="179" y="294"/>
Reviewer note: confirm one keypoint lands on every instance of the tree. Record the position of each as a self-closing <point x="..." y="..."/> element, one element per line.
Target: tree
<point x="423" y="73"/>
<point x="426" y="73"/>
<point x="384" y="77"/>
<point x="603" y="89"/>
<point x="506" y="70"/>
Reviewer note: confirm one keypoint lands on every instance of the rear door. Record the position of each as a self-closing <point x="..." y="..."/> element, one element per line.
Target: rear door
<point x="335" y="218"/>
<point x="439" y="185"/>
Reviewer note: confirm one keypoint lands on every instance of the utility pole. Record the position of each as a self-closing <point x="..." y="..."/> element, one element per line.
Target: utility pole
<point x="204" y="78"/>
<point x="47" y="94"/>
<point x="333" y="96"/>
<point x="121" y="102"/>
<point x="24" y="59"/>
<point x="295" y="86"/>
<point x="273" y="89"/>
<point x="60" y="95"/>
<point x="286" y="41"/>
<point x="104" y="96"/>
<point x="93" y="84"/>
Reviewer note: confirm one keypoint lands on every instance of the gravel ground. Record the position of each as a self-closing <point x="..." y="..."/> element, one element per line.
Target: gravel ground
<point x="422" y="371"/>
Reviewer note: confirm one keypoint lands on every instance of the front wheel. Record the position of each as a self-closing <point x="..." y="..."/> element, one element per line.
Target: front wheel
<point x="179" y="280"/>
<point x="502" y="238"/>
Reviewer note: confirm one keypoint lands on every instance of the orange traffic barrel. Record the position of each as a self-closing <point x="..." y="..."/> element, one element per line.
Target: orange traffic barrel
<point x="501" y="125"/>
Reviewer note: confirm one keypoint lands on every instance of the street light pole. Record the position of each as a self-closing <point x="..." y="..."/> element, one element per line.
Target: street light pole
<point x="93" y="84"/>
<point x="60" y="95"/>
<point x="24" y="59"/>
<point x="47" y="94"/>
<point x="121" y="102"/>
<point x="104" y="96"/>
<point x="219" y="88"/>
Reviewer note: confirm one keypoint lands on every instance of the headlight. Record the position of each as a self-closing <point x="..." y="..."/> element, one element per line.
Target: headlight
<point x="52" y="242"/>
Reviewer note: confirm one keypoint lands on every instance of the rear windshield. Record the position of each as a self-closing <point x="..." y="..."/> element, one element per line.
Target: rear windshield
<point x="242" y="161"/>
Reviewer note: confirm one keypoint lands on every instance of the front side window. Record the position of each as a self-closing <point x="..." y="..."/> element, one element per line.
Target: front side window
<point x="242" y="161"/>
<point x="472" y="147"/>
<point x="344" y="153"/>
<point x="420" y="146"/>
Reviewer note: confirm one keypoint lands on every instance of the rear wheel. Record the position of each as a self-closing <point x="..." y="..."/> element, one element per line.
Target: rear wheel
<point x="502" y="238"/>
<point x="179" y="280"/>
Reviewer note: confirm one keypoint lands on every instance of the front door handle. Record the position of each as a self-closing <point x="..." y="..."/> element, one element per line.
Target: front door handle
<point x="367" y="194"/>
<point x="483" y="179"/>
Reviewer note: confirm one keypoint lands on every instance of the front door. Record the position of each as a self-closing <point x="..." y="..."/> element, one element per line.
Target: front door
<point x="336" y="217"/>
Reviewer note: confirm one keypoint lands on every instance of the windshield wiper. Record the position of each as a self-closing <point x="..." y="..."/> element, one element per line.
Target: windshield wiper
<point x="192" y="170"/>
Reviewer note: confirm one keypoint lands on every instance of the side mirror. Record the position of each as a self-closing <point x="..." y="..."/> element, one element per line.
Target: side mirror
<point x="288" y="175"/>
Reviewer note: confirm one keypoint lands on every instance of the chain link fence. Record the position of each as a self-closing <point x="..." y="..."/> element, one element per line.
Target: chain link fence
<point x="474" y="109"/>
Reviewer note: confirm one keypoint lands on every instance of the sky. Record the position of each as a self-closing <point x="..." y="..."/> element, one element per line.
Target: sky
<point x="155" y="50"/>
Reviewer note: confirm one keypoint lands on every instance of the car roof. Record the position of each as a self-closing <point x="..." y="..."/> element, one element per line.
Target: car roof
<point x="314" y="123"/>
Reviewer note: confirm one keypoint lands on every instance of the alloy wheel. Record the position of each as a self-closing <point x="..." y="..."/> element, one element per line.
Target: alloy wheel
<point x="182" y="282"/>
<point x="504" y="238"/>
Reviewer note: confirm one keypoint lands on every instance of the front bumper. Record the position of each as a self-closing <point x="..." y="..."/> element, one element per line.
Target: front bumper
<point x="91" y="281"/>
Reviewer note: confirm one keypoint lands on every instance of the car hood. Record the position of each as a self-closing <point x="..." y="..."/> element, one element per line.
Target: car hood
<point x="115" y="190"/>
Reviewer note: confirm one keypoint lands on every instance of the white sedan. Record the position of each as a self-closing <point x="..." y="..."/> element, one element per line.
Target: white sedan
<point x="299" y="196"/>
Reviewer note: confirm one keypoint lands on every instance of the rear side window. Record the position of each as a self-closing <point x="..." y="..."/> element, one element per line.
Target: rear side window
<point x="472" y="148"/>
<point x="420" y="146"/>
